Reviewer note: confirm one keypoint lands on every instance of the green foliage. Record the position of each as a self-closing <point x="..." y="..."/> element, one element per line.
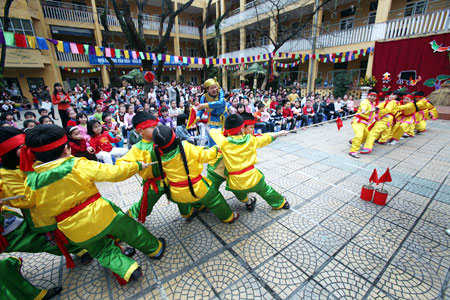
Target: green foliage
<point x="341" y="81"/>
<point x="319" y="80"/>
<point x="443" y="77"/>
<point x="430" y="82"/>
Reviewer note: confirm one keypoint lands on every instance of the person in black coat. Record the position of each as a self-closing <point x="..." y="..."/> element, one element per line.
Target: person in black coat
<point x="330" y="110"/>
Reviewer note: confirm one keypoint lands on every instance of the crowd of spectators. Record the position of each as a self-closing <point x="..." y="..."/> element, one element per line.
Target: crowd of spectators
<point x="99" y="120"/>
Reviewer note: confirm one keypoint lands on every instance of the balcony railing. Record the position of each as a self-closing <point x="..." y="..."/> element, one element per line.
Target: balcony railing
<point x="67" y="12"/>
<point x="427" y="23"/>
<point x="188" y="29"/>
<point x="62" y="56"/>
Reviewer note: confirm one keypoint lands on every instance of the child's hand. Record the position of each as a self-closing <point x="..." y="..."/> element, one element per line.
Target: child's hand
<point x="118" y="137"/>
<point x="144" y="165"/>
<point x="282" y="133"/>
<point x="90" y="150"/>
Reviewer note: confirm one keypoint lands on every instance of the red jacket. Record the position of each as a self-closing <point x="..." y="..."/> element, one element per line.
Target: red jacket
<point x="273" y="105"/>
<point x="287" y="112"/>
<point x="103" y="142"/>
<point x="78" y="146"/>
<point x="62" y="100"/>
<point x="307" y="111"/>
<point x="71" y="122"/>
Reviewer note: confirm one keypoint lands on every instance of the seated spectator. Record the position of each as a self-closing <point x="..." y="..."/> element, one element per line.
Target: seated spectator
<point x="319" y="109"/>
<point x="288" y="115"/>
<point x="182" y="132"/>
<point x="45" y="120"/>
<point x="28" y="124"/>
<point x="277" y="120"/>
<point x="165" y="119"/>
<point x="330" y="110"/>
<point x="8" y="117"/>
<point x="262" y="118"/>
<point x="241" y="108"/>
<point x="297" y="111"/>
<point x="78" y="144"/>
<point x="233" y="107"/>
<point x="308" y="111"/>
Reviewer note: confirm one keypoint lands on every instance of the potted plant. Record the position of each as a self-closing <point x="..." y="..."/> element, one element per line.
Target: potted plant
<point x="366" y="84"/>
<point x="319" y="81"/>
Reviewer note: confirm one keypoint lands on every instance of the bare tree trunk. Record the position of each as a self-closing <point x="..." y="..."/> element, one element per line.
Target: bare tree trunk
<point x="6" y="23"/>
<point x="105" y="37"/>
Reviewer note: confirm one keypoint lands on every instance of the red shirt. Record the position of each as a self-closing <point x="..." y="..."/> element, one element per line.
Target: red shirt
<point x="308" y="110"/>
<point x="273" y="105"/>
<point x="103" y="142"/>
<point x="287" y="112"/>
<point x="71" y="122"/>
<point x="78" y="146"/>
<point x="58" y="98"/>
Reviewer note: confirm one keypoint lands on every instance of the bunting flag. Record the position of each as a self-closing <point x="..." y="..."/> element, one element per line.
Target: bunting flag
<point x="81" y="71"/>
<point x="42" y="44"/>
<point x="21" y="40"/>
<point x="31" y="41"/>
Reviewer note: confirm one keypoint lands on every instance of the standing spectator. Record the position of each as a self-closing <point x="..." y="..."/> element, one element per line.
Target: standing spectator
<point x="174" y="93"/>
<point x="174" y="111"/>
<point x="61" y="98"/>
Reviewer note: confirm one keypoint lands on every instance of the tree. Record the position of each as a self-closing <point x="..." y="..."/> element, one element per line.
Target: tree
<point x="135" y="38"/>
<point x="6" y="22"/>
<point x="105" y="37"/>
<point x="342" y="80"/>
<point x="280" y="33"/>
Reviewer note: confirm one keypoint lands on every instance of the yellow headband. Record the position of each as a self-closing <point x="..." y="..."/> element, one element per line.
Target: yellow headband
<point x="211" y="81"/>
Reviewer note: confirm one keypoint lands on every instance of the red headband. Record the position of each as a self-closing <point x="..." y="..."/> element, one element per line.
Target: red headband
<point x="169" y="143"/>
<point x="27" y="157"/>
<point x="409" y="96"/>
<point x="12" y="143"/>
<point x="147" y="123"/>
<point x="233" y="131"/>
<point x="418" y="96"/>
<point x="373" y="94"/>
<point x="250" y="122"/>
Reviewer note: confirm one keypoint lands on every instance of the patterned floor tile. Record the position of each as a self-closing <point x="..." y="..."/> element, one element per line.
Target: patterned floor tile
<point x="277" y="236"/>
<point x="341" y="226"/>
<point x="201" y="244"/>
<point x="313" y="212"/>
<point x="325" y="239"/>
<point x="222" y="270"/>
<point x="188" y="285"/>
<point x="305" y="256"/>
<point x="297" y="223"/>
<point x="281" y="275"/>
<point x="230" y="232"/>
<point x="254" y="251"/>
<point x="174" y="260"/>
<point x="376" y="244"/>
<point x="246" y="287"/>
<point x="433" y="232"/>
<point x="355" y="215"/>
<point x="312" y="291"/>
<point x="343" y="283"/>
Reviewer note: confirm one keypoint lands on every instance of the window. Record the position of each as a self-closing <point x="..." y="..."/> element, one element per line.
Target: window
<point x="250" y="41"/>
<point x="191" y="23"/>
<point x="263" y="40"/>
<point x="20" y="26"/>
<point x="373" y="5"/>
<point x="35" y="83"/>
<point x="192" y="52"/>
<point x="127" y="47"/>
<point x="112" y="45"/>
<point x="372" y="17"/>
<point x="341" y="66"/>
<point x="149" y="49"/>
<point x="181" y="51"/>
<point x="415" y="8"/>
<point x="346" y="23"/>
<point x="348" y="12"/>
<point x="194" y="79"/>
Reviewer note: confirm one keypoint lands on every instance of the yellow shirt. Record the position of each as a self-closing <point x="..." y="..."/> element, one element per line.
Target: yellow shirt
<point x="407" y="113"/>
<point x="293" y="97"/>
<point x="173" y="167"/>
<point x="364" y="112"/>
<point x="422" y="114"/>
<point x="239" y="152"/>
<point x="57" y="186"/>
<point x="218" y="166"/>
<point x="432" y="111"/>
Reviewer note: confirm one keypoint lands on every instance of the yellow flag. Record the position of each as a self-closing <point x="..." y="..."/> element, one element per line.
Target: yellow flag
<point x="98" y="51"/>
<point x="31" y="41"/>
<point x="60" y="46"/>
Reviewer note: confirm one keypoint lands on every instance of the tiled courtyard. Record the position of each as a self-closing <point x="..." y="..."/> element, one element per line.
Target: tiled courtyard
<point x="329" y="245"/>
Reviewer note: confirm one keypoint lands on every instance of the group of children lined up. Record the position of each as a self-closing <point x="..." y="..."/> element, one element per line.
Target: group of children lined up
<point x="63" y="205"/>
<point x="399" y="116"/>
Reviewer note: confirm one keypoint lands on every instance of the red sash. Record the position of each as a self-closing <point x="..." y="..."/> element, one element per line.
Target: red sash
<point x="186" y="183"/>
<point x="144" y="203"/>
<point x="77" y="208"/>
<point x="3" y="241"/>
<point x="242" y="171"/>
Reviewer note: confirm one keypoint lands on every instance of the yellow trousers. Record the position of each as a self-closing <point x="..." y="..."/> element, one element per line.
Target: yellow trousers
<point x="401" y="128"/>
<point x="361" y="132"/>
<point x="421" y="126"/>
<point x="378" y="129"/>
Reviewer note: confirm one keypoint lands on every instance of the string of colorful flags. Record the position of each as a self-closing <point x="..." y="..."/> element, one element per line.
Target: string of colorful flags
<point x="34" y="42"/>
<point x="80" y="71"/>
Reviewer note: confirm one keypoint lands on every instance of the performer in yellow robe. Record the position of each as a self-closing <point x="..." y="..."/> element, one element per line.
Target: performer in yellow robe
<point x="406" y="119"/>
<point x="432" y="111"/>
<point x="361" y="121"/>
<point x="386" y="135"/>
<point x="144" y="150"/>
<point x="62" y="186"/>
<point x="239" y="155"/>
<point x="182" y="164"/>
<point x="422" y="114"/>
<point x="383" y="121"/>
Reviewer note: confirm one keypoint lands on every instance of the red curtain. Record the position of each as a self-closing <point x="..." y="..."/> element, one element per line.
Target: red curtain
<point x="410" y="59"/>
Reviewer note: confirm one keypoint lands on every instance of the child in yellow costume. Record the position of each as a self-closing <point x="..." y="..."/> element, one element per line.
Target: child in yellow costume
<point x="14" y="287"/>
<point x="361" y="121"/>
<point x="62" y="186"/>
<point x="144" y="123"/>
<point x="26" y="236"/>
<point x="432" y="111"/>
<point x="406" y="119"/>
<point x="386" y="135"/>
<point x="182" y="164"/>
<point x="422" y="114"/>
<point x="239" y="155"/>
<point x="217" y="172"/>
<point x="383" y="121"/>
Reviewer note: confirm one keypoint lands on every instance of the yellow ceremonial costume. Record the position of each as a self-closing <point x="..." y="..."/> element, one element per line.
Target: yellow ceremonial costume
<point x="179" y="189"/>
<point x="239" y="156"/>
<point x="432" y="111"/>
<point x="405" y="121"/>
<point x="422" y="115"/>
<point x="65" y="190"/>
<point x="383" y="121"/>
<point x="216" y="171"/>
<point x="151" y="177"/>
<point x="360" y="124"/>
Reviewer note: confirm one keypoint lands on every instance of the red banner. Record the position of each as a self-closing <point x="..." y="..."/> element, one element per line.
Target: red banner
<point x="410" y="62"/>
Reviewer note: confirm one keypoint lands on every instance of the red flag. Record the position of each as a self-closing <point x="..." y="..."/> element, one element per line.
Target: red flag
<point x="339" y="123"/>
<point x="386" y="177"/>
<point x="21" y="40"/>
<point x="374" y="177"/>
<point x="149" y="76"/>
<point x="192" y="118"/>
